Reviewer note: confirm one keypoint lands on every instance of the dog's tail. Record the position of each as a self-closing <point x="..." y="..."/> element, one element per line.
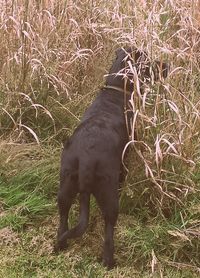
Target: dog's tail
<point x="81" y="227"/>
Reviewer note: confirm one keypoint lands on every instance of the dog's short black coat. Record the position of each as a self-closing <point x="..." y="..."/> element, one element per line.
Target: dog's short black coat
<point x="91" y="159"/>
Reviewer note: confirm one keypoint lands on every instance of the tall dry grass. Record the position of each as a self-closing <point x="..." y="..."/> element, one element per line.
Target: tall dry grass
<point x="53" y="55"/>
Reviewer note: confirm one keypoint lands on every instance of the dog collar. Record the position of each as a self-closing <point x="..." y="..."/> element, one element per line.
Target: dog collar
<point x="117" y="89"/>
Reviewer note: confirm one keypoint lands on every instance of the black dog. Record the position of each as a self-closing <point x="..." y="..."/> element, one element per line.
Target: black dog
<point x="91" y="159"/>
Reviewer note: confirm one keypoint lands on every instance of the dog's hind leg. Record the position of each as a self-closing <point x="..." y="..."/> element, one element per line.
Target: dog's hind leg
<point x="84" y="182"/>
<point x="108" y="201"/>
<point x="80" y="228"/>
<point x="66" y="195"/>
<point x="70" y="188"/>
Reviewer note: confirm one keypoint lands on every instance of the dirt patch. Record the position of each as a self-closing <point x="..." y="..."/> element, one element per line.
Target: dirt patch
<point x="8" y="237"/>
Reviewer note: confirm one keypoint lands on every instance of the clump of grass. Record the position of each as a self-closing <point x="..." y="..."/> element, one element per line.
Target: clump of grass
<point x="168" y="241"/>
<point x="27" y="190"/>
<point x="46" y="56"/>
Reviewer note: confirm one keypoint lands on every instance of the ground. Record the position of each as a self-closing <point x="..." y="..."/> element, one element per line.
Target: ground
<point x="29" y="221"/>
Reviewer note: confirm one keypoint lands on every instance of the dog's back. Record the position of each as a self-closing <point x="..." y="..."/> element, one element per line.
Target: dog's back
<point x="100" y="137"/>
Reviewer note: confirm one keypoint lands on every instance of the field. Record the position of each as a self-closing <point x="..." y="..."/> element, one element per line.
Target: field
<point x="54" y="55"/>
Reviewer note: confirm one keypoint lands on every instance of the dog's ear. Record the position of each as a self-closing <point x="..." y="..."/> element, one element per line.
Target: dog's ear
<point x="140" y="56"/>
<point x="118" y="51"/>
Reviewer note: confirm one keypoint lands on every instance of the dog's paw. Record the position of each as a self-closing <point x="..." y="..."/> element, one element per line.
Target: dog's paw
<point x="58" y="247"/>
<point x="107" y="262"/>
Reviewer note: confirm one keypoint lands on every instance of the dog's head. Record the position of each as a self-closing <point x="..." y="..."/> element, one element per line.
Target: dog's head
<point x="130" y="63"/>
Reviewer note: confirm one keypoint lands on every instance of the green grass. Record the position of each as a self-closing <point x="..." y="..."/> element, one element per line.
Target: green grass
<point x="29" y="221"/>
<point x="28" y="191"/>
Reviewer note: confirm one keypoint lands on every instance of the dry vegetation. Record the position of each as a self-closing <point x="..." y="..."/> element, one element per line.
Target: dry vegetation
<point x="53" y="55"/>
